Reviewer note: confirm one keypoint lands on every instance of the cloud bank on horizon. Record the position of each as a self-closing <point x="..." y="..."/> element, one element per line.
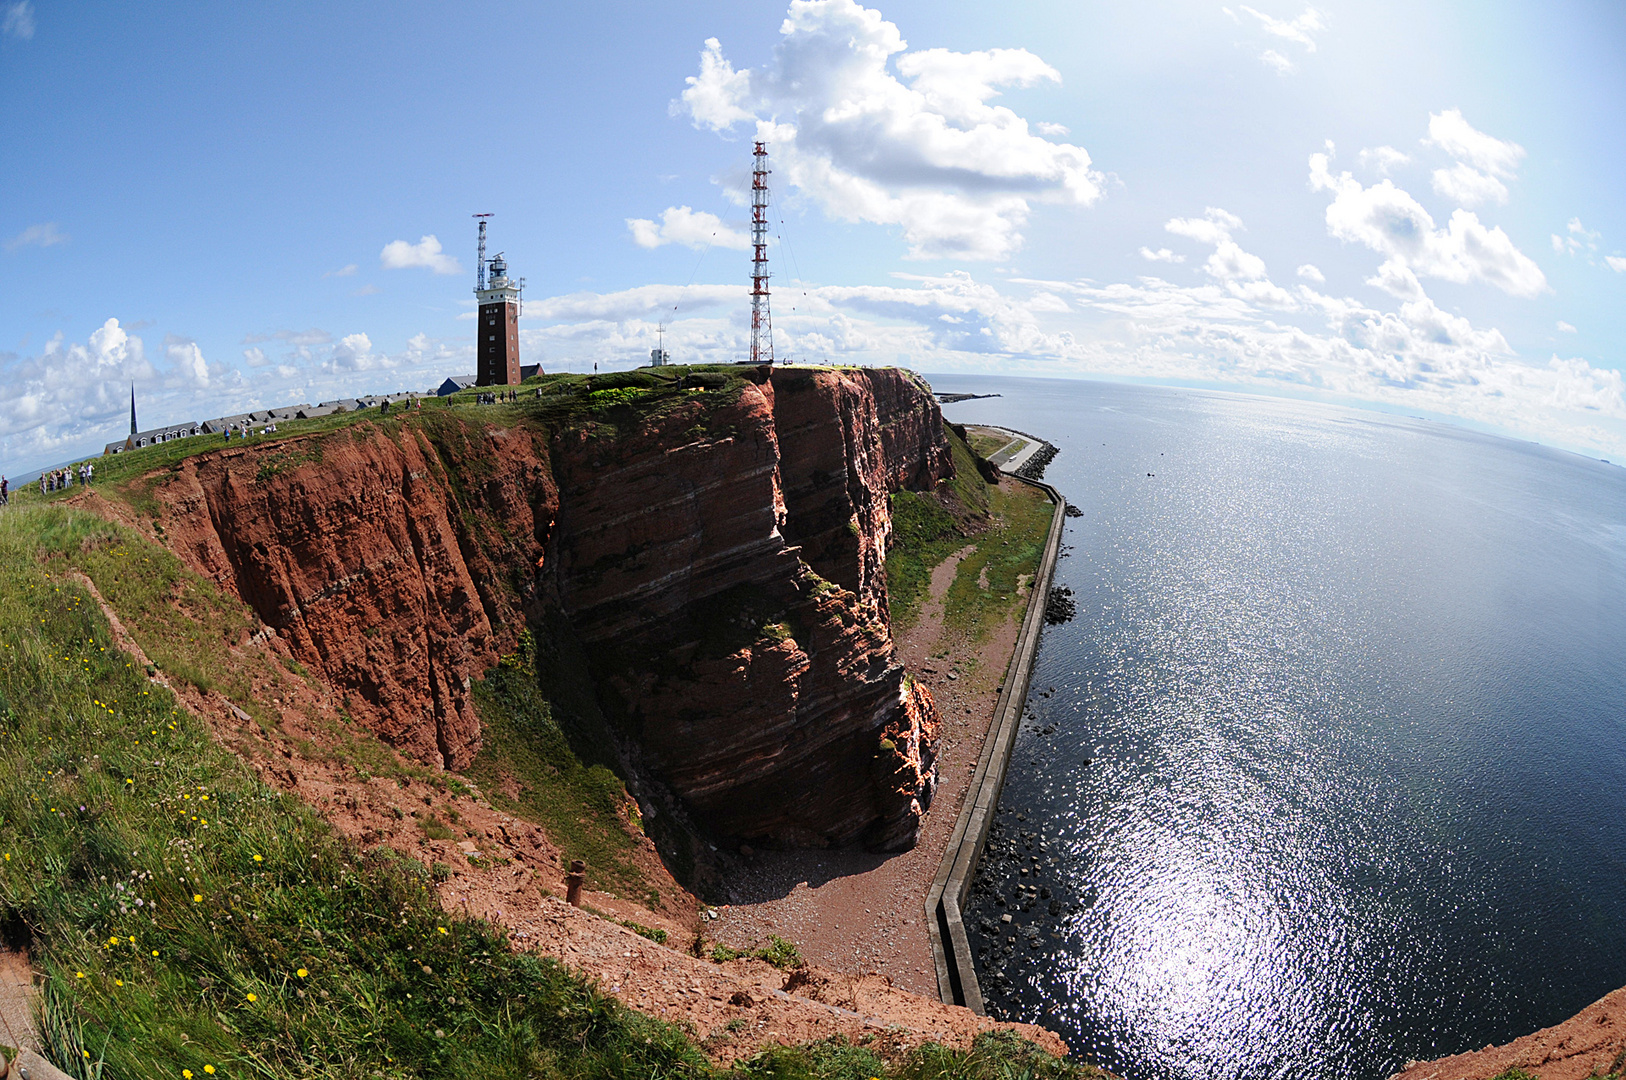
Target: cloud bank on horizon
<point x="916" y="145"/>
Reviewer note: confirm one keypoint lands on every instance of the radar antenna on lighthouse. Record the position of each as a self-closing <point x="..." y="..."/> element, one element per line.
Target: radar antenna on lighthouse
<point x="761" y="320"/>
<point x="480" y="259"/>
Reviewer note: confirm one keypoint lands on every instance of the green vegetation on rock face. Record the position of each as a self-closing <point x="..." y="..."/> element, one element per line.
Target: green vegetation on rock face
<point x="924" y="533"/>
<point x="583" y="808"/>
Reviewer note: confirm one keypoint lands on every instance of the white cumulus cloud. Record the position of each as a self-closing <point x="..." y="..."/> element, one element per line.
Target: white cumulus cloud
<point x="1382" y="159"/>
<point x="1242" y="272"/>
<point x="425" y="254"/>
<point x="1577" y="238"/>
<point x="696" y="229"/>
<point x="1565" y="328"/>
<point x="1483" y="161"/>
<point x="1311" y="272"/>
<point x="187" y="359"/>
<point x="1161" y="255"/>
<point x="875" y="133"/>
<point x="1616" y="263"/>
<point x="1388" y="220"/>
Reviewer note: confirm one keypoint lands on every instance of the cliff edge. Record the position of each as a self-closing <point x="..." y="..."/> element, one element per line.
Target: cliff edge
<point x="709" y="544"/>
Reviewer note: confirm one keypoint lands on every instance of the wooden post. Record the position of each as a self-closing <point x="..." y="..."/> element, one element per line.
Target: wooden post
<point x="573" y="882"/>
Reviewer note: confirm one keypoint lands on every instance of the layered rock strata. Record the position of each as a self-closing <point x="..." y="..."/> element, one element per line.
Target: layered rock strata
<point x="720" y="558"/>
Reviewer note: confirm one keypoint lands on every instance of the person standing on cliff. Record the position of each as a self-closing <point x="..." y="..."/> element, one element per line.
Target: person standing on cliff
<point x="5" y="496"/>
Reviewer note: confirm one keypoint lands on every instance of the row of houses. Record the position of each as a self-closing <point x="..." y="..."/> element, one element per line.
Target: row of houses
<point x="455" y="383"/>
<point x="249" y="420"/>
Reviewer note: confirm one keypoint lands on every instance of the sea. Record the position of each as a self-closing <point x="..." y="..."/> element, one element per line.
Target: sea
<point x="1328" y="771"/>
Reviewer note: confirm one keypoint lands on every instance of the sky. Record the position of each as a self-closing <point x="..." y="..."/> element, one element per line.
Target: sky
<point x="1417" y="206"/>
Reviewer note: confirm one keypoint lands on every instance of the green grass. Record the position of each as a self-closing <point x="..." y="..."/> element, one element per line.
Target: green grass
<point x="995" y="1055"/>
<point x="988" y="445"/>
<point x="110" y="792"/>
<point x="924" y="533"/>
<point x="265" y="944"/>
<point x="779" y="952"/>
<point x="583" y="808"/>
<point x="1007" y="530"/>
<point x="1008" y="550"/>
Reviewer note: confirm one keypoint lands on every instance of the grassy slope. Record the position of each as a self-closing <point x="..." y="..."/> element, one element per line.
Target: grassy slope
<point x="1007" y="532"/>
<point x="263" y="944"/>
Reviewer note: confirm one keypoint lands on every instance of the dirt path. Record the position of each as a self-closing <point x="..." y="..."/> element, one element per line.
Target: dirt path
<point x="17" y="1028"/>
<point x="864" y="914"/>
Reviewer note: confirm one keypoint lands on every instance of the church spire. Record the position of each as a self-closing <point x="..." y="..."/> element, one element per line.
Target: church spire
<point x="132" y="408"/>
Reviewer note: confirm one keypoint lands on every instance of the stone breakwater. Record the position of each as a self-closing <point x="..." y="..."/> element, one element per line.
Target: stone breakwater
<point x="719" y="561"/>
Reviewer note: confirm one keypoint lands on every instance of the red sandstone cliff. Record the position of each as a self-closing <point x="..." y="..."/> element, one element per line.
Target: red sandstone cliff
<point x="720" y="558"/>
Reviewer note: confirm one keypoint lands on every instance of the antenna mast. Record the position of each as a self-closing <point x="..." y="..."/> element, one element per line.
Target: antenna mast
<point x="480" y="260"/>
<point x="761" y="322"/>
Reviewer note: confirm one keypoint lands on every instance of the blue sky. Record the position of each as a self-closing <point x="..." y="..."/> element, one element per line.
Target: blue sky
<point x="1416" y="205"/>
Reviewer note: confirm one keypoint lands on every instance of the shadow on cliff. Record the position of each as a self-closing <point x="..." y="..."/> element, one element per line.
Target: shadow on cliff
<point x="698" y="555"/>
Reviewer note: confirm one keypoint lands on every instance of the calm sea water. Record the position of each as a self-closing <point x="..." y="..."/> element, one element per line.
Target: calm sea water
<point x="1335" y="772"/>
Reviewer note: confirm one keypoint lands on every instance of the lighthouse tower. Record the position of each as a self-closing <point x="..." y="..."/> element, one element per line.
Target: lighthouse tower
<point x="496" y="349"/>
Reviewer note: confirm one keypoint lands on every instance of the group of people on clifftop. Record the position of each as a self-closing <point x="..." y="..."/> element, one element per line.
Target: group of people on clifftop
<point x="506" y="397"/>
<point x="53" y="481"/>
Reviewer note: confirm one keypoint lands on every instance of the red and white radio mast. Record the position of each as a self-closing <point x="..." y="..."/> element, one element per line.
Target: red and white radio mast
<point x="761" y="321"/>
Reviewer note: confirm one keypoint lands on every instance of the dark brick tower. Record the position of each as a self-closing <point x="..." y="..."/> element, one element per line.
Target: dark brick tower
<point x="496" y="348"/>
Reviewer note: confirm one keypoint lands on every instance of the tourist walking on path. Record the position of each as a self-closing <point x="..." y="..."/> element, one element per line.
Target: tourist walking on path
<point x="5" y="493"/>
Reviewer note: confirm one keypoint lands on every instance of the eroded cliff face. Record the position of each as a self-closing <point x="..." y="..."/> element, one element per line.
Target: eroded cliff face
<point x="720" y="560"/>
